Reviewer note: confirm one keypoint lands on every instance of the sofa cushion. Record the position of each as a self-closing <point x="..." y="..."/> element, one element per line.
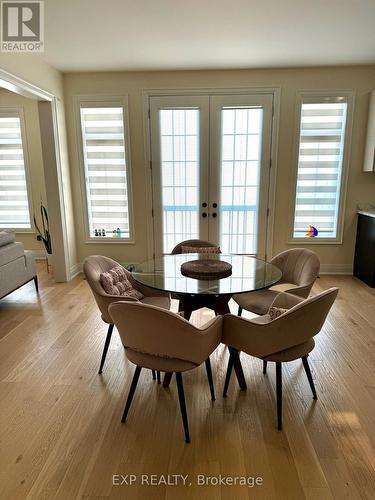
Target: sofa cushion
<point x="6" y="237"/>
<point x="11" y="252"/>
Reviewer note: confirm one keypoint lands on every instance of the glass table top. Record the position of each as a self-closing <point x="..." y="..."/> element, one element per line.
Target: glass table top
<point x="248" y="274"/>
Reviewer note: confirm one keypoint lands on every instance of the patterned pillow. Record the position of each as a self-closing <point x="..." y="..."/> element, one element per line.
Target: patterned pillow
<point x="276" y="312"/>
<point x="115" y="282"/>
<point x="185" y="249"/>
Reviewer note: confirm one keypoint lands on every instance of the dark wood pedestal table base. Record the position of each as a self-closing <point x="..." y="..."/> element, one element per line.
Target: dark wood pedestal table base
<point x="248" y="274"/>
<point x="219" y="304"/>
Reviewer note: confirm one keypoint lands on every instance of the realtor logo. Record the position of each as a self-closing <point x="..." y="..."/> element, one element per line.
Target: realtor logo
<point x="22" y="26"/>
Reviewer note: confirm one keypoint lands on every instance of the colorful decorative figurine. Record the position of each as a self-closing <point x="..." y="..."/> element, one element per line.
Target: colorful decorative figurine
<point x="312" y="232"/>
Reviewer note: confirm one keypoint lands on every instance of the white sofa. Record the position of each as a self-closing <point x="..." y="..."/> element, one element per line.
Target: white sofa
<point x="17" y="265"/>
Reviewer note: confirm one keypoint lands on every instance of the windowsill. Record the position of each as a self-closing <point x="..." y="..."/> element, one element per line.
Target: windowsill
<point x="315" y="241"/>
<point x="19" y="231"/>
<point x="109" y="241"/>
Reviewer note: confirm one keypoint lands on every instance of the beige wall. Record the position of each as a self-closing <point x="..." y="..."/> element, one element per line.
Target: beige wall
<point x="34" y="160"/>
<point x="361" y="186"/>
<point x="34" y="70"/>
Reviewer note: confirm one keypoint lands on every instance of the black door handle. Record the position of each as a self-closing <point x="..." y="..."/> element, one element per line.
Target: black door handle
<point x="214" y="214"/>
<point x="214" y="205"/>
<point x="204" y="204"/>
<point x="204" y="214"/>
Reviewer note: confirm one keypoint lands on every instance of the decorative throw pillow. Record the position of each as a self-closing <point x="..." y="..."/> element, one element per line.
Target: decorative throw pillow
<point x="185" y="249"/>
<point x="275" y="312"/>
<point x="115" y="282"/>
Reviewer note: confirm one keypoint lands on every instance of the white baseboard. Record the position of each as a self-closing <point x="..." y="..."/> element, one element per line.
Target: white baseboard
<point x="336" y="269"/>
<point x="75" y="270"/>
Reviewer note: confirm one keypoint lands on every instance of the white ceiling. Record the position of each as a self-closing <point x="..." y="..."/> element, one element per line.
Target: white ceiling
<point x="84" y="35"/>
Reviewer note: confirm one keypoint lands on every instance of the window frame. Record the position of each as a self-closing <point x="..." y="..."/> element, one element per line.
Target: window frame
<point x="329" y="96"/>
<point x="100" y="100"/>
<point x="19" y="111"/>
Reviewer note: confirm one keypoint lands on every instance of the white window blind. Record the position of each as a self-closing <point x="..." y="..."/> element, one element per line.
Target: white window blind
<point x="320" y="163"/>
<point x="105" y="171"/>
<point x="14" y="205"/>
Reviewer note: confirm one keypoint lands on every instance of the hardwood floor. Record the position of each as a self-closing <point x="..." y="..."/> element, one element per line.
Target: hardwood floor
<point x="61" y="435"/>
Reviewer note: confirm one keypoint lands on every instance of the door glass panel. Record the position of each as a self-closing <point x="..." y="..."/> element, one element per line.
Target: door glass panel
<point x="179" y="143"/>
<point x="241" y="144"/>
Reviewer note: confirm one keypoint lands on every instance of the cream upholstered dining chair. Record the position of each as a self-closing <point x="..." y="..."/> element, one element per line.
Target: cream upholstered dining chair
<point x="163" y="341"/>
<point x="193" y="246"/>
<point x="93" y="267"/>
<point x="287" y="337"/>
<point x="299" y="267"/>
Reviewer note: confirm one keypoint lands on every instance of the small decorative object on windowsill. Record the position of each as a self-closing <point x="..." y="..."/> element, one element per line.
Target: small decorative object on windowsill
<point x="44" y="235"/>
<point x="206" y="269"/>
<point x="312" y="232"/>
<point x="102" y="233"/>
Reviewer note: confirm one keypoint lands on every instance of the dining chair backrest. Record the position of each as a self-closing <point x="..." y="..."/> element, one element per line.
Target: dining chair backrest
<point x="93" y="267"/>
<point x="192" y="243"/>
<point x="262" y="336"/>
<point x="147" y="329"/>
<point x="300" y="267"/>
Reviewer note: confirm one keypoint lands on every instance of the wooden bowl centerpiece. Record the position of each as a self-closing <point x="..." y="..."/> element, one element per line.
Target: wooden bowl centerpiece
<point x="206" y="269"/>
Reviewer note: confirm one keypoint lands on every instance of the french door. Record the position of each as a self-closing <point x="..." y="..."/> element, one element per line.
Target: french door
<point x="210" y="170"/>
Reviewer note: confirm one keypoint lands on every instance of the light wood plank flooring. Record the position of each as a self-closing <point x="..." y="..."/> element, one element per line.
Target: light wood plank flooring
<point x="61" y="435"/>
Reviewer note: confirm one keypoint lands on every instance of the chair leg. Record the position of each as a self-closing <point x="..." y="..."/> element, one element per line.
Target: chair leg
<point x="239" y="311"/>
<point x="158" y="376"/>
<point x="209" y="376"/>
<point x="238" y="369"/>
<point x="167" y="379"/>
<point x="181" y="397"/>
<point x="187" y="313"/>
<point x="264" y="367"/>
<point x="153" y="375"/>
<point x="131" y="392"/>
<point x="36" y="284"/>
<point x="279" y="395"/>
<point x="106" y="345"/>
<point x="229" y="373"/>
<point x="309" y="376"/>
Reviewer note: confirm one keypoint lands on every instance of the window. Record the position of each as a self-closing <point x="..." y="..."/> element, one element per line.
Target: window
<point x="14" y="204"/>
<point x="318" y="201"/>
<point x="106" y="170"/>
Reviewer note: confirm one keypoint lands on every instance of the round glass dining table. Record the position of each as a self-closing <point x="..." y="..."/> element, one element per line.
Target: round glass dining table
<point x="248" y="275"/>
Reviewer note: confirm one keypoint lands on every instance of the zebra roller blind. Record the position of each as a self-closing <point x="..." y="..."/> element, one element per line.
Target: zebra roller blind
<point x="14" y="203"/>
<point x="320" y="164"/>
<point x="104" y="153"/>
